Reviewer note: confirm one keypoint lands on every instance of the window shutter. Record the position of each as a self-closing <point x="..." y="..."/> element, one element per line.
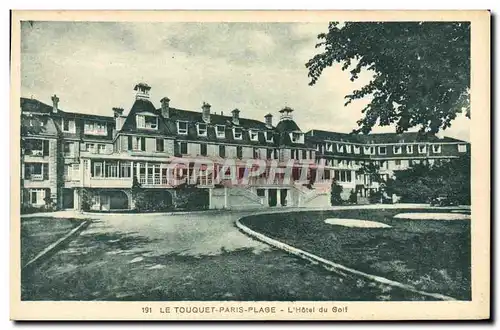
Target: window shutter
<point x="45" y="147"/>
<point x="143" y="144"/>
<point x="27" y="170"/>
<point x="45" y="170"/>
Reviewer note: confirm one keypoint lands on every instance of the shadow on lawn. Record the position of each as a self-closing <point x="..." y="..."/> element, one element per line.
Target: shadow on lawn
<point x="433" y="256"/>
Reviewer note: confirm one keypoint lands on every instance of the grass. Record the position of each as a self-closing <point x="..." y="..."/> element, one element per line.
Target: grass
<point x="432" y="255"/>
<point x="39" y="232"/>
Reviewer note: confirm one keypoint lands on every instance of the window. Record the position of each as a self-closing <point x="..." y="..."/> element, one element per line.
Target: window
<point x="203" y="149"/>
<point x="329" y="147"/>
<point x="409" y="149"/>
<point x="222" y="151"/>
<point x="182" y="127"/>
<point x="340" y="148"/>
<point x="37" y="147"/>
<point x="462" y="148"/>
<point x="343" y="176"/>
<point x="220" y="131"/>
<point x="101" y="148"/>
<point x="276" y="156"/>
<point x="348" y="148"/>
<point x="111" y="169"/>
<point x="297" y="137"/>
<point x="254" y="135"/>
<point x="36" y="171"/>
<point x="304" y="154"/>
<point x="184" y="148"/>
<point x="125" y="170"/>
<point x="237" y="133"/>
<point x="269" y="153"/>
<point x="357" y="150"/>
<point x="239" y="152"/>
<point x="160" y="145"/>
<point x="397" y="150"/>
<point x="269" y="136"/>
<point x="95" y="128"/>
<point x="255" y="153"/>
<point x="367" y="150"/>
<point x="147" y="122"/>
<point x="382" y="150"/>
<point x="422" y="148"/>
<point x="68" y="149"/>
<point x="202" y="129"/>
<point x="261" y="192"/>
<point x="138" y="143"/>
<point x="37" y="196"/>
<point x="98" y="170"/>
<point x="68" y="125"/>
<point x="90" y="147"/>
<point x="397" y="162"/>
<point x="436" y="148"/>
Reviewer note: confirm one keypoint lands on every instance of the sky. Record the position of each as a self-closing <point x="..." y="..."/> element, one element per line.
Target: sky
<point x="256" y="67"/>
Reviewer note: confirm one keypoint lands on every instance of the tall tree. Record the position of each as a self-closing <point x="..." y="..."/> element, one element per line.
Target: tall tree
<point x="421" y="70"/>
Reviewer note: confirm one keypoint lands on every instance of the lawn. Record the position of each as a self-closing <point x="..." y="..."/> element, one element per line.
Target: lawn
<point x="432" y="255"/>
<point x="39" y="232"/>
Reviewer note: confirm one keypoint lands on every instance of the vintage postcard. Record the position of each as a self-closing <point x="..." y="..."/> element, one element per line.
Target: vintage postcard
<point x="238" y="165"/>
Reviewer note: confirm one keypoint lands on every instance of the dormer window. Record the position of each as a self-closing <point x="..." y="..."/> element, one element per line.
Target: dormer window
<point x="382" y="150"/>
<point x="237" y="133"/>
<point x="462" y="148"/>
<point x="220" y="131"/>
<point x="422" y="148"/>
<point x="357" y="150"/>
<point x="182" y="127"/>
<point x="147" y="122"/>
<point x="397" y="150"/>
<point x="409" y="149"/>
<point x="348" y="148"/>
<point x="202" y="129"/>
<point x="329" y="147"/>
<point x="369" y="150"/>
<point x="68" y="125"/>
<point x="254" y="135"/>
<point x="436" y="148"/>
<point x="95" y="128"/>
<point x="340" y="148"/>
<point x="297" y="137"/>
<point x="269" y="136"/>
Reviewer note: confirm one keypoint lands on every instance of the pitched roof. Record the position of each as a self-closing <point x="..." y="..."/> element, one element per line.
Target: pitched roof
<point x="287" y="125"/>
<point x="377" y="138"/>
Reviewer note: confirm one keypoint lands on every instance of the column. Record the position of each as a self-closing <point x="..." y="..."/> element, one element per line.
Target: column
<point x="278" y="197"/>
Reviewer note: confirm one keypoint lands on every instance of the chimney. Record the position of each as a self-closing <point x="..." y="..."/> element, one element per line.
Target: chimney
<point x="268" y="120"/>
<point x="205" y="112"/>
<point x="236" y="116"/>
<point x="142" y="91"/>
<point x="165" y="107"/>
<point x="55" y="102"/>
<point x="119" y="118"/>
<point x="117" y="112"/>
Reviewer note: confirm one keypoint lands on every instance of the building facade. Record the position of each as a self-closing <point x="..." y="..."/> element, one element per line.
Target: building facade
<point x="178" y="157"/>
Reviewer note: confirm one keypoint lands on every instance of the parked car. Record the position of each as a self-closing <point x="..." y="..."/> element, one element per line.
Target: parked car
<point x="442" y="200"/>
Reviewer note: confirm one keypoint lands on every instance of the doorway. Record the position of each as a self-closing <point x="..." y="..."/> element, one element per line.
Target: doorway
<point x="68" y="199"/>
<point x="272" y="197"/>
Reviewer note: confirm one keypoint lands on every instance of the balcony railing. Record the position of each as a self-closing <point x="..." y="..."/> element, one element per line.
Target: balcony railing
<point x="35" y="177"/>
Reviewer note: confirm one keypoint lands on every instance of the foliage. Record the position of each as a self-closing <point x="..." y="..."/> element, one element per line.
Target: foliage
<point x="85" y="199"/>
<point x="421" y="70"/>
<point x="335" y="193"/>
<point x="153" y="201"/>
<point x="422" y="182"/>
